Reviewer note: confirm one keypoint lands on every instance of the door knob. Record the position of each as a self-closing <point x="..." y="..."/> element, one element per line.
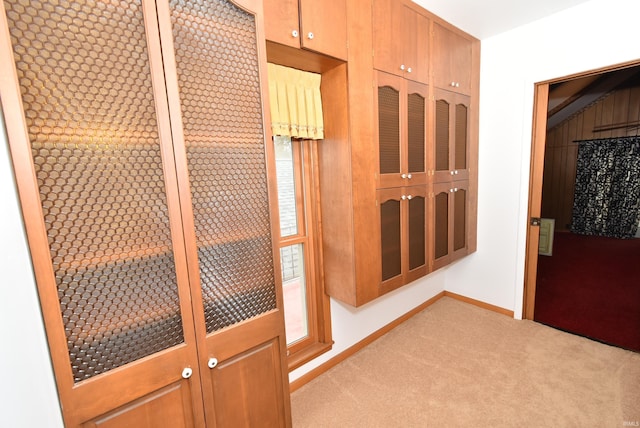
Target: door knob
<point x="212" y="362"/>
<point x="187" y="372"/>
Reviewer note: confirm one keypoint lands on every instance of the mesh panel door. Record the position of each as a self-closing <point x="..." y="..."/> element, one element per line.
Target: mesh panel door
<point x="417" y="224"/>
<point x="390" y="239"/>
<point x="217" y="66"/>
<point x="441" y="225"/>
<point x="442" y="135"/>
<point x="461" y="137"/>
<point x="460" y="220"/>
<point x="389" y="130"/>
<point x="88" y="101"/>
<point x="416" y="105"/>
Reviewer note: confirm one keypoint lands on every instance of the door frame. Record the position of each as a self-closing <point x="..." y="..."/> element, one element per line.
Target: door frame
<point x="538" y="142"/>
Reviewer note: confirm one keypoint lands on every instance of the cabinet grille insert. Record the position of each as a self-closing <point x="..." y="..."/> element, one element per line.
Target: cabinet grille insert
<point x="461" y="137"/>
<point x="389" y="129"/>
<point x="442" y="135"/>
<point x="89" y="106"/>
<point x="217" y="65"/>
<point x="460" y="220"/>
<point x="442" y="225"/>
<point x="390" y="239"/>
<point x="416" y="136"/>
<point x="417" y="222"/>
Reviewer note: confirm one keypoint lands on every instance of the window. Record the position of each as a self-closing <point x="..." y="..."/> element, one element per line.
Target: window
<point x="306" y="306"/>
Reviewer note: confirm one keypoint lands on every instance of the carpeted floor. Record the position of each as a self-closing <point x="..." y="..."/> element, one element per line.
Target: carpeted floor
<point x="457" y="365"/>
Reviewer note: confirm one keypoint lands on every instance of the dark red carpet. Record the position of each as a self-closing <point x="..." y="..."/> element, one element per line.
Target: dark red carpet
<point x="591" y="287"/>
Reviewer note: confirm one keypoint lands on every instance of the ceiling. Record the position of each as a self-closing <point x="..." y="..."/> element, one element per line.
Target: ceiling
<point x="486" y="18"/>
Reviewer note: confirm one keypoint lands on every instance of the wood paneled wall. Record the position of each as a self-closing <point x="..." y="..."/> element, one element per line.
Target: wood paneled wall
<point x="603" y="119"/>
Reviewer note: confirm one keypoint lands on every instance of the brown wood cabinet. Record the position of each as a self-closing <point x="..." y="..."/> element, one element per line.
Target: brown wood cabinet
<point x="452" y="144"/>
<point x="400" y="40"/>
<point x="146" y="201"/>
<point x="369" y="238"/>
<point x="319" y="26"/>
<point x="402" y="215"/>
<point x="451" y="221"/>
<point x="401" y="131"/>
<point x="451" y="59"/>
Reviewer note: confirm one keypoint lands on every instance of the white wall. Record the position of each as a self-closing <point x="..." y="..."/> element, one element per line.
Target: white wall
<point x="593" y="35"/>
<point x="27" y="388"/>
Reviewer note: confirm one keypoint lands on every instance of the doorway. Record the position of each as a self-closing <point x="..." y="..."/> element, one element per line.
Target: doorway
<point x="581" y="92"/>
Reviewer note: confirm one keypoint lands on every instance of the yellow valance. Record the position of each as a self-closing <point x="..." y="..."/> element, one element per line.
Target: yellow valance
<point x="295" y="103"/>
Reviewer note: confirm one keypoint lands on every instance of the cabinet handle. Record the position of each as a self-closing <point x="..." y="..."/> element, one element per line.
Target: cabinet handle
<point x="450" y="190"/>
<point x="409" y="70"/>
<point x="403" y="175"/>
<point x="409" y="176"/>
<point x="187" y="372"/>
<point x="455" y="172"/>
<point x="403" y="197"/>
<point x="451" y="172"/>
<point x="310" y="36"/>
<point x="409" y="197"/>
<point x="402" y="67"/>
<point x="455" y="189"/>
<point x="212" y="363"/>
<point x="457" y="85"/>
<point x="294" y="34"/>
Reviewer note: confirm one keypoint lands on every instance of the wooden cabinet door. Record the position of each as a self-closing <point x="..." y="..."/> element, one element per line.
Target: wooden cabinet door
<point x="90" y="140"/>
<point x="416" y="122"/>
<point x="320" y="26"/>
<point x="451" y="60"/>
<point x="222" y="157"/>
<point x="417" y="235"/>
<point x="392" y="229"/>
<point x="388" y="42"/>
<point x="401" y="119"/>
<point x="323" y="26"/>
<point x="390" y="102"/>
<point x="400" y="40"/>
<point x="404" y="247"/>
<point x="416" y="45"/>
<point x="281" y="22"/>
<point x="451" y="139"/>
<point x="450" y="222"/>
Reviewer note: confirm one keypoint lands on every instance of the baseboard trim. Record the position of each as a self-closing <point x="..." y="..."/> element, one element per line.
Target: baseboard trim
<point x="479" y="304"/>
<point x="309" y="376"/>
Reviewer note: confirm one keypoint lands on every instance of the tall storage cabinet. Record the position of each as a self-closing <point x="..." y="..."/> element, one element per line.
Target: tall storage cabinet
<point x="376" y="237"/>
<point x="137" y="134"/>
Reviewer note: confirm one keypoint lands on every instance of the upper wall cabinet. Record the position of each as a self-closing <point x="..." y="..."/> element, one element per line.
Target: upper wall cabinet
<point x="402" y="131"/>
<point x="451" y="148"/>
<point x="400" y="40"/>
<point x="320" y="26"/>
<point x="451" y="60"/>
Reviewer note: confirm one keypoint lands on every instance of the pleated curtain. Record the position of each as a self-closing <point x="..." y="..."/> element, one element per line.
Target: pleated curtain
<point x="295" y="103"/>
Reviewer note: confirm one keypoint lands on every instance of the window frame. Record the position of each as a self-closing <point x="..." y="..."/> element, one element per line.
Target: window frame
<point x="309" y="234"/>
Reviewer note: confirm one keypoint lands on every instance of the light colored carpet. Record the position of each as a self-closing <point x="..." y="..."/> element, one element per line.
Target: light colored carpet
<point x="457" y="365"/>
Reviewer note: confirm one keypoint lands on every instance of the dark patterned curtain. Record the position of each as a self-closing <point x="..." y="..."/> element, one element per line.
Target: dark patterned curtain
<point x="607" y="194"/>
